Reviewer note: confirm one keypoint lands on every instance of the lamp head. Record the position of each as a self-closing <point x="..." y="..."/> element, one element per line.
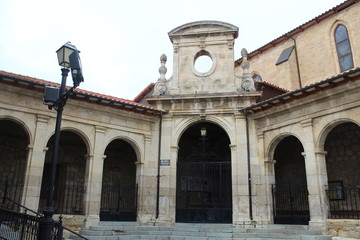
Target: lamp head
<point x="64" y="53"/>
<point x="203" y="132"/>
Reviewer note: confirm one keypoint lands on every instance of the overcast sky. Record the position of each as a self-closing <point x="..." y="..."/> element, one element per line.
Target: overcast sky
<point x="121" y="41"/>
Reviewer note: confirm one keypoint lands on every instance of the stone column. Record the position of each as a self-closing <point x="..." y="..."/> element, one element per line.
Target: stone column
<point x="35" y="164"/>
<point x="315" y="185"/>
<point x="263" y="187"/>
<point x="240" y="174"/>
<point x="270" y="182"/>
<point x="145" y="193"/>
<point x="93" y="179"/>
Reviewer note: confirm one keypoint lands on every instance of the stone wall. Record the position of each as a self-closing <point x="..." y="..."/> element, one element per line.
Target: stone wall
<point x="316" y="52"/>
<point x="344" y="228"/>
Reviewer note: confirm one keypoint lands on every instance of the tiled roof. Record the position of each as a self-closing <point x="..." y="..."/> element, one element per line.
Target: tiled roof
<point x="79" y="94"/>
<point x="274" y="86"/>
<point x="301" y="28"/>
<point x="305" y="91"/>
<point x="144" y="92"/>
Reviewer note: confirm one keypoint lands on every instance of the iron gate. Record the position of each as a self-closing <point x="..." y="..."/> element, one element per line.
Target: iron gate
<point x="118" y="202"/>
<point x="204" y="192"/>
<point x="290" y="204"/>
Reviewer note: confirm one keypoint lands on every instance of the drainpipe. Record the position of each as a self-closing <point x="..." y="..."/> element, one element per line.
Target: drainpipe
<point x="297" y="59"/>
<point x="158" y="174"/>
<point x="249" y="166"/>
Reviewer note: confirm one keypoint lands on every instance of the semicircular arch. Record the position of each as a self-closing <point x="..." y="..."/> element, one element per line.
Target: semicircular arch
<point x="320" y="143"/>
<point x="128" y="140"/>
<point x="21" y="124"/>
<point x="185" y="124"/>
<point x="275" y="141"/>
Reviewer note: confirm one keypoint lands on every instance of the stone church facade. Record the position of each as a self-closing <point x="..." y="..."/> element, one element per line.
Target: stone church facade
<point x="270" y="138"/>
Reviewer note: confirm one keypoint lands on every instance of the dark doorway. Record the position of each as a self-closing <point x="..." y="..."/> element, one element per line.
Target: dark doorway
<point x="343" y="167"/>
<point x="13" y="154"/>
<point x="290" y="194"/>
<point x="204" y="189"/>
<point x="69" y="189"/>
<point x="119" y="189"/>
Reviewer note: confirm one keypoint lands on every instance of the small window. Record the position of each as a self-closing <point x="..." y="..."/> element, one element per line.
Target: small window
<point x="257" y="82"/>
<point x="285" y="55"/>
<point x="257" y="78"/>
<point x="343" y="48"/>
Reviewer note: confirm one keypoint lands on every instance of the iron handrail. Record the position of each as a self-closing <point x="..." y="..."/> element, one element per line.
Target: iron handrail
<point x="22" y="206"/>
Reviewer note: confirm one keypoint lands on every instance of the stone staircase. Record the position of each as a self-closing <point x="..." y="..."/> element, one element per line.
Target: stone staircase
<point x="182" y="231"/>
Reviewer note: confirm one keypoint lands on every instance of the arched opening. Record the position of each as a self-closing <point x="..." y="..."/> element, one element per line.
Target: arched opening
<point x="343" y="48"/>
<point x="119" y="188"/>
<point x="290" y="195"/>
<point x="69" y="188"/>
<point x="13" y="159"/>
<point x="343" y="167"/>
<point x="204" y="188"/>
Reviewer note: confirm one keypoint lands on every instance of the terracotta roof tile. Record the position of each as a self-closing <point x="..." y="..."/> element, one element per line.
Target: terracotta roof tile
<point x="40" y="82"/>
<point x="305" y="91"/>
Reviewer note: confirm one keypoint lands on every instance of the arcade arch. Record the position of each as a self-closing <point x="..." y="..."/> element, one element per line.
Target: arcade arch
<point x="70" y="188"/>
<point x="14" y="142"/>
<point x="342" y="145"/>
<point x="290" y="194"/>
<point x="119" y="186"/>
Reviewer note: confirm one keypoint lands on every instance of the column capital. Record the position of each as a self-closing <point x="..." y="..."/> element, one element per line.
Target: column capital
<point x="270" y="161"/>
<point x="307" y="123"/>
<point x="232" y="147"/>
<point x="100" y="129"/>
<point x="260" y="135"/>
<point x="321" y="152"/>
<point x="42" y="118"/>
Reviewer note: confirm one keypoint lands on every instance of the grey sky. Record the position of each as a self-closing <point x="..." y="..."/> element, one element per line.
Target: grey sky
<point x="121" y="41"/>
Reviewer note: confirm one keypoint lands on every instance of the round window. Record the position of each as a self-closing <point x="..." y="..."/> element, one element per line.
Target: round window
<point x="203" y="64"/>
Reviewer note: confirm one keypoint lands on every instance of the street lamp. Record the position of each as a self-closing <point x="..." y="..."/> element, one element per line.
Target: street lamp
<point x="203" y="133"/>
<point x="68" y="57"/>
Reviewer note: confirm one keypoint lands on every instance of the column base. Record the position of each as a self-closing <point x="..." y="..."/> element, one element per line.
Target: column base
<point x="318" y="225"/>
<point x="92" y="220"/>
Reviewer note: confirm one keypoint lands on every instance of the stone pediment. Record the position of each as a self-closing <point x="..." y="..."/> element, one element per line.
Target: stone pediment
<point x="203" y="28"/>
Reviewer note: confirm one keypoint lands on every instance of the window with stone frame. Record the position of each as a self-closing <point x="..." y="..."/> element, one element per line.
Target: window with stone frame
<point x="343" y="48"/>
<point x="257" y="81"/>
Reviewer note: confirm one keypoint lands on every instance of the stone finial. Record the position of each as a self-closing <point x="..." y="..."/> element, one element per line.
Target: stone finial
<point x="163" y="69"/>
<point x="160" y="86"/>
<point x="247" y="83"/>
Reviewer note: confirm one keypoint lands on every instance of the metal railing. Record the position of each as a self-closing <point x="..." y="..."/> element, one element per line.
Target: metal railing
<point x="18" y="222"/>
<point x="344" y="202"/>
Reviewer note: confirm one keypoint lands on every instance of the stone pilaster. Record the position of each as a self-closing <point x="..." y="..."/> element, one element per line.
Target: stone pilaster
<point x="240" y="174"/>
<point x="146" y="194"/>
<point x="35" y="167"/>
<point x="93" y="179"/>
<point x="315" y="185"/>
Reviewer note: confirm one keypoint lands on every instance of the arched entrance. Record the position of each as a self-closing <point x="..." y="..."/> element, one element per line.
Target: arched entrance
<point x="204" y="189"/>
<point x="13" y="154"/>
<point x="343" y="167"/>
<point x="119" y="188"/>
<point x="290" y="194"/>
<point x="70" y="175"/>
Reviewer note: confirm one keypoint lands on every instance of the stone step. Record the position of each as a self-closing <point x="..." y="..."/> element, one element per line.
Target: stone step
<point x="183" y="231"/>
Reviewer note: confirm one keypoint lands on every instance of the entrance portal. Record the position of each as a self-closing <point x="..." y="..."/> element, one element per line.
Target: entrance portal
<point x="203" y="192"/>
<point x="290" y="195"/>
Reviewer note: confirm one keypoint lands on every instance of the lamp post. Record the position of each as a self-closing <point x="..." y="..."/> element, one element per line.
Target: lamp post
<point x="68" y="57"/>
